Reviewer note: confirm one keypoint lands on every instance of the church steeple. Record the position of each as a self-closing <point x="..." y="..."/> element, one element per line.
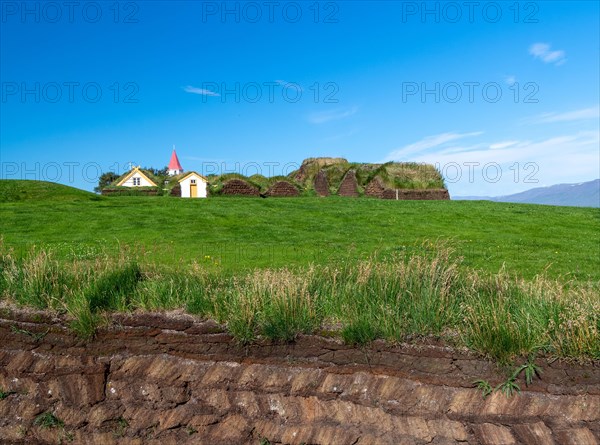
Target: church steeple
<point x="175" y="167"/>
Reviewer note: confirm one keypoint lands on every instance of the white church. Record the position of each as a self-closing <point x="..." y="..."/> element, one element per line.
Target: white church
<point x="191" y="184"/>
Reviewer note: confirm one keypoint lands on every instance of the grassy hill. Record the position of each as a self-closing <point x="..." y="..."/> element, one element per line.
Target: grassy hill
<point x="23" y="190"/>
<point x="242" y="233"/>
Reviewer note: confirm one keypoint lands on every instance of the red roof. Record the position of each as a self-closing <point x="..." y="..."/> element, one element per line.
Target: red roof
<point x="174" y="164"/>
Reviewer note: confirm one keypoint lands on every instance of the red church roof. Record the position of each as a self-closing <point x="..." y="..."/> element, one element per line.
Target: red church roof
<point x="174" y="164"/>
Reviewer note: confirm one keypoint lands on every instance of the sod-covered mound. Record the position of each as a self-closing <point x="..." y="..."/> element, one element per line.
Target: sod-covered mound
<point x="239" y="187"/>
<point x="283" y="189"/>
<point x="325" y="176"/>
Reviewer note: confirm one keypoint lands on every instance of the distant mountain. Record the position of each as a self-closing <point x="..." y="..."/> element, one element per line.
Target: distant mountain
<point x="584" y="194"/>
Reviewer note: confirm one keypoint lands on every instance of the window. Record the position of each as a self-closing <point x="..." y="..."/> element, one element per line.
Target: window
<point x="137" y="181"/>
<point x="193" y="181"/>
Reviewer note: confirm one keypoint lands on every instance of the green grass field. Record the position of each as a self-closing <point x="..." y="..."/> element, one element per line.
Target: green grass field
<point x="243" y="233"/>
<point x="501" y="279"/>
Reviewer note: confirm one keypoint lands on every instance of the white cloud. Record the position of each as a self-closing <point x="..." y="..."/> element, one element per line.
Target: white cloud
<point x="510" y="80"/>
<point x="569" y="116"/>
<point x="501" y="145"/>
<point x="565" y="146"/>
<point x="522" y="164"/>
<point x="427" y="143"/>
<point x="322" y="117"/>
<point x="543" y="52"/>
<point x="200" y="91"/>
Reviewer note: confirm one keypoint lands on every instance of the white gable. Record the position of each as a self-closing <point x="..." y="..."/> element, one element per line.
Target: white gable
<point x="137" y="180"/>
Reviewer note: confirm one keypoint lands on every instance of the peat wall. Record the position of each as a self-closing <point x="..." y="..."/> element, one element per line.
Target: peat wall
<point x="172" y="379"/>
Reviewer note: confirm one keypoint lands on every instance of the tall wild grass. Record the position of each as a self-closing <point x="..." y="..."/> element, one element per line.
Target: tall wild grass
<point x="400" y="298"/>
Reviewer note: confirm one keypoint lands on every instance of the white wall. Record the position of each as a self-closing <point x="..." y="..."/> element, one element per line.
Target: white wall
<point x="143" y="181"/>
<point x="200" y="184"/>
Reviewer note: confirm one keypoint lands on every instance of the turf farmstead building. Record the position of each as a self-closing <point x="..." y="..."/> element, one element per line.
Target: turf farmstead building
<point x="193" y="185"/>
<point x="177" y="182"/>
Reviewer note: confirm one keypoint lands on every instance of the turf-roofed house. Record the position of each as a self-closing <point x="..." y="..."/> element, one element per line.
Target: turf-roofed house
<point x="172" y="180"/>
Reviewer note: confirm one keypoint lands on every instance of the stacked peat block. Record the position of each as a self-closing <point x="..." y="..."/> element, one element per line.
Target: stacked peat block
<point x="283" y="189"/>
<point x="176" y="191"/>
<point x="420" y="195"/>
<point x="375" y="189"/>
<point x="130" y="192"/>
<point x="239" y="187"/>
<point x="321" y="184"/>
<point x="390" y="194"/>
<point x="349" y="186"/>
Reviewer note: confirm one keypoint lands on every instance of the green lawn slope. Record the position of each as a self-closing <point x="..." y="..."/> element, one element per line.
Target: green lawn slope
<point x="244" y="233"/>
<point x="24" y="190"/>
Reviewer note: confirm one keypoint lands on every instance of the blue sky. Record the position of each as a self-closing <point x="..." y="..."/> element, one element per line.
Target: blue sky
<point x="502" y="96"/>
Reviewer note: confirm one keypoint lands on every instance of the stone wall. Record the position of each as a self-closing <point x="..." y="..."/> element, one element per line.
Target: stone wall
<point x="417" y="195"/>
<point x="376" y="189"/>
<point x="128" y="191"/>
<point x="171" y="379"/>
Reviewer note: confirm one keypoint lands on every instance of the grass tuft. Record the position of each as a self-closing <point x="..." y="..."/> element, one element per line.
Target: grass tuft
<point x="359" y="332"/>
<point x="114" y="289"/>
<point x="48" y="420"/>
